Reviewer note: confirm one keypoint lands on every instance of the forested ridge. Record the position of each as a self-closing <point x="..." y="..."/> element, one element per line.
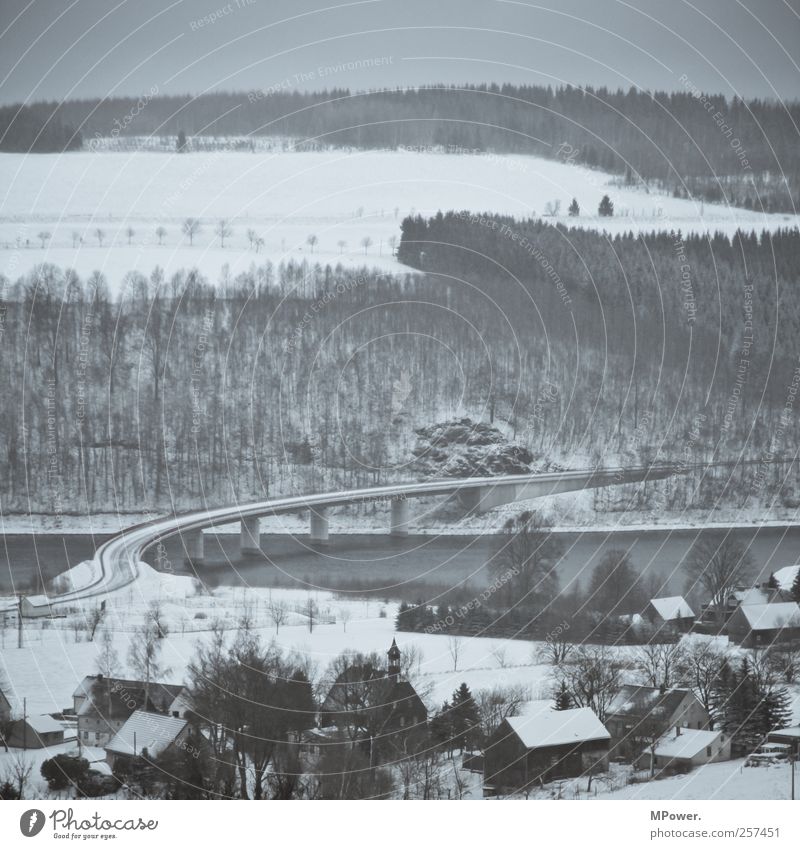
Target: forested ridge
<point x="705" y="145"/>
<point x="184" y="391"/>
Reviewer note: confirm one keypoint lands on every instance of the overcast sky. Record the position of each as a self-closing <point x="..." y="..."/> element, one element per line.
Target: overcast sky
<point x="58" y="49"/>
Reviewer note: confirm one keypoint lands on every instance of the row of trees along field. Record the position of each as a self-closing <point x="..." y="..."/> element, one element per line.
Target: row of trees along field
<point x="177" y="391"/>
<point x="675" y="139"/>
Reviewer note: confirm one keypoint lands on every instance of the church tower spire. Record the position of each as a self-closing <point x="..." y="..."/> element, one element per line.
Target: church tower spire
<point x="394" y="661"/>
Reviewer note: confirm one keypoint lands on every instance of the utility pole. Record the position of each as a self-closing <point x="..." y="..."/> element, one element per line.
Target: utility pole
<point x="19" y="623"/>
<point x="792" y="759"/>
<point x="24" y="724"/>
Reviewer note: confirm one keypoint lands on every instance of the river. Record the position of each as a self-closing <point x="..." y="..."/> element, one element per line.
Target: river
<point x="399" y="568"/>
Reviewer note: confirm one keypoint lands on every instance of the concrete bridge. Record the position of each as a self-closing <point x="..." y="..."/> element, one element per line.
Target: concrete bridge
<point x="115" y="562"/>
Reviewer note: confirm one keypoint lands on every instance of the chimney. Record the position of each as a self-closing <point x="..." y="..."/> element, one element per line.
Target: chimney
<point x="677" y="731"/>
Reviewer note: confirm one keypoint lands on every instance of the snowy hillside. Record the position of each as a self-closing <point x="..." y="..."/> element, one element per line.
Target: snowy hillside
<point x="340" y="197"/>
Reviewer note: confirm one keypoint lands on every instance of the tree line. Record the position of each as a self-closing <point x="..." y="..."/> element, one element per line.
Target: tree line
<point x="705" y="145"/>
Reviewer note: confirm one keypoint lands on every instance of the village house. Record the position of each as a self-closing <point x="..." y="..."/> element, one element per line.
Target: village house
<point x="103" y="705"/>
<point x="753" y="625"/>
<point x="740" y="596"/>
<point x="638" y="715"/>
<point x="669" y="613"/>
<point x="376" y="705"/>
<point x="543" y="744"/>
<point x="143" y="737"/>
<point x="682" y="749"/>
<point x="35" y="732"/>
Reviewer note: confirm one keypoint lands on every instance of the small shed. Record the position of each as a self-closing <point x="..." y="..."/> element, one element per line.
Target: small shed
<point x="35" y="732"/>
<point x="790" y="736"/>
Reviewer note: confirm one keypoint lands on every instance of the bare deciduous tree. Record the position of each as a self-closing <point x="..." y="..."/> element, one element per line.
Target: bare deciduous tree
<point x="130" y="233"/>
<point x="144" y="655"/>
<point x="44" y="237"/>
<point x="454" y="645"/>
<point x="718" y="563"/>
<point x="160" y="233"/>
<point x="365" y="243"/>
<point x="342" y="245"/>
<point x="312" y="240"/>
<point x="592" y="679"/>
<point x="701" y="666"/>
<point x="278" y="614"/>
<point x="99" y="235"/>
<point x="223" y="230"/>
<point x="661" y="663"/>
<point x="498" y="703"/>
<point x="107" y="660"/>
<point x="191" y="227"/>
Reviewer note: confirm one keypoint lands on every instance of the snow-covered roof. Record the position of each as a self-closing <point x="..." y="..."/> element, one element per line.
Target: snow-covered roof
<point x="151" y="731"/>
<point x="44" y="724"/>
<point x="540" y="725"/>
<point x="785" y="577"/>
<point x="672" y="607"/>
<point x="687" y="744"/>
<point x="751" y="595"/>
<point x="793" y="731"/>
<point x="761" y="617"/>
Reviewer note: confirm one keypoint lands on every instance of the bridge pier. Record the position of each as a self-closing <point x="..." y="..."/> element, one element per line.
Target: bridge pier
<point x="249" y="536"/>
<point x="318" y="525"/>
<point x="400" y="517"/>
<point x="194" y="546"/>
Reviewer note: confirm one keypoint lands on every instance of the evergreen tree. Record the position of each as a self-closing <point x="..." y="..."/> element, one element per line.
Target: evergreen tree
<point x="795" y="590"/>
<point x="464" y="718"/>
<point x="563" y="700"/>
<point x="775" y="710"/>
<point x="574" y="210"/>
<point x="441" y="727"/>
<point x="772" y="583"/>
<point x="606" y="208"/>
<point x="300" y="701"/>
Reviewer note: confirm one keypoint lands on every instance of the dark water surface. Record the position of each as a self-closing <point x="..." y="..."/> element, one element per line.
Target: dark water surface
<point x="382" y="563"/>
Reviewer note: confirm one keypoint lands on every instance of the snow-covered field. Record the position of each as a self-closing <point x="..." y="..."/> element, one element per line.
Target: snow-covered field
<point x="285" y="197"/>
<point x="54" y="659"/>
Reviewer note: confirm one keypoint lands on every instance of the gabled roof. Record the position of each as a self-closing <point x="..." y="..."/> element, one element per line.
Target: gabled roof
<point x="672" y="607"/>
<point x="635" y="701"/>
<point x="751" y="595"/>
<point x="113" y="699"/>
<point x="4" y="702"/>
<point x="764" y="617"/>
<point x="687" y="744"/>
<point x="44" y="724"/>
<point x="540" y="725"/>
<point x="151" y="731"/>
<point x="785" y="577"/>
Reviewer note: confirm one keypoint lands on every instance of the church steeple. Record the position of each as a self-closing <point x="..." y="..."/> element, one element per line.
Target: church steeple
<point x="394" y="661"/>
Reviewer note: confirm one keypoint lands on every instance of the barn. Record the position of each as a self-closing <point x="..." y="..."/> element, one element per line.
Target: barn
<point x="543" y="744"/>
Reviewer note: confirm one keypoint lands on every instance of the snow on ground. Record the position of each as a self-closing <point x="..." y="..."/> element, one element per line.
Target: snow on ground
<point x="36" y="787"/>
<point x="727" y="780"/>
<point x="55" y="657"/>
<point x="339" y="196"/>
